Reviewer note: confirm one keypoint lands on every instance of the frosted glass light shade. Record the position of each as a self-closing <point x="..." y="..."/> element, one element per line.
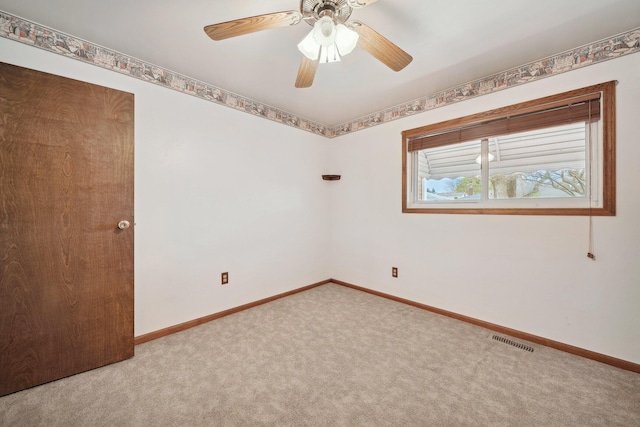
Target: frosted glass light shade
<point x="346" y="39"/>
<point x="324" y="31"/>
<point x="309" y="47"/>
<point x="328" y="41"/>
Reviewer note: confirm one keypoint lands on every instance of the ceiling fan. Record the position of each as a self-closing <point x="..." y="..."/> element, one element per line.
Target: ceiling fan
<point x="332" y="36"/>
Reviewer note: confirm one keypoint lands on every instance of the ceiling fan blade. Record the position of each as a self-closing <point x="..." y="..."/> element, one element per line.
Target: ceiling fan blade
<point x="306" y="72"/>
<point x="380" y="47"/>
<point x="239" y="27"/>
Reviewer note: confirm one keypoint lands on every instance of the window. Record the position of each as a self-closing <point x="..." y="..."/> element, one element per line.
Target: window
<point x="550" y="156"/>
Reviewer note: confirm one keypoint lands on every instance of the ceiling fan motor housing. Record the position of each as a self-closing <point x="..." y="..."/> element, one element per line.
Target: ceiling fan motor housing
<point x="313" y="10"/>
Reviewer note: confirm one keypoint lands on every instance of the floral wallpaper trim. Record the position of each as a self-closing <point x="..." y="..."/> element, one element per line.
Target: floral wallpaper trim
<point x="24" y="31"/>
<point x="603" y="50"/>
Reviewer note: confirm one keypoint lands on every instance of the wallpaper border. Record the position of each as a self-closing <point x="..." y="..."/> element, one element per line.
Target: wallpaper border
<point x="27" y="32"/>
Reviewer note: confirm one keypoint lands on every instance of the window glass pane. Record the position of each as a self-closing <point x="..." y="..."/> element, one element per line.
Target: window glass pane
<point x="546" y="163"/>
<point x="549" y="156"/>
<point x="449" y="173"/>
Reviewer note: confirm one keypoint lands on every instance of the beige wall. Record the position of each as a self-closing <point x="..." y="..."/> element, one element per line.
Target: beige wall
<point x="220" y="190"/>
<point x="528" y="273"/>
<point x="215" y="190"/>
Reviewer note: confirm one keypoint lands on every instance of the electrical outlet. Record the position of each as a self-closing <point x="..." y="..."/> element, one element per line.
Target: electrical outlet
<point x="394" y="271"/>
<point x="225" y="278"/>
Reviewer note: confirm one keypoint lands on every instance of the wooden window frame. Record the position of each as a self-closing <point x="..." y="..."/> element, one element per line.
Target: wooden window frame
<point x="608" y="120"/>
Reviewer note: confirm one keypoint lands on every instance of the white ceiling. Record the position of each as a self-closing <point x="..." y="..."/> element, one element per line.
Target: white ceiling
<point x="451" y="41"/>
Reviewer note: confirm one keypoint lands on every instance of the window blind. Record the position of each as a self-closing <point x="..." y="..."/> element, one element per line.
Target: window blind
<point x="583" y="109"/>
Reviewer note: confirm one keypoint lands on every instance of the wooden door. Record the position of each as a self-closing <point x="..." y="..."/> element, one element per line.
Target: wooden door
<point x="66" y="269"/>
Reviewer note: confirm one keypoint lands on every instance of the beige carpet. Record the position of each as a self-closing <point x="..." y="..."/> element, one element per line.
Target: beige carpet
<point x="333" y="356"/>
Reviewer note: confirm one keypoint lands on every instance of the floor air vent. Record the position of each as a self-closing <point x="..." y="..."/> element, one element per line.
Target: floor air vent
<point x="512" y="343"/>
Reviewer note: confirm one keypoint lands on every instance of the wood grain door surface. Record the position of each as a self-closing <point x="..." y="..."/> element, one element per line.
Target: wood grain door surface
<point x="66" y="269"/>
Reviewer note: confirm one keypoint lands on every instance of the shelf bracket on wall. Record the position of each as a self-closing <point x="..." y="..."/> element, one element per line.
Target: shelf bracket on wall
<point x="331" y="177"/>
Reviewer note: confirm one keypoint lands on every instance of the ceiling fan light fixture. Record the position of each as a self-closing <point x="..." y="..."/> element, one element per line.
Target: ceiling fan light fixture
<point x="328" y="42"/>
<point x="329" y="54"/>
<point x="324" y="31"/>
<point x="346" y="39"/>
<point x="309" y="48"/>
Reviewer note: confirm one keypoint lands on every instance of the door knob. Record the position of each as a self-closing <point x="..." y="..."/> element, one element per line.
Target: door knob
<point x="123" y="225"/>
